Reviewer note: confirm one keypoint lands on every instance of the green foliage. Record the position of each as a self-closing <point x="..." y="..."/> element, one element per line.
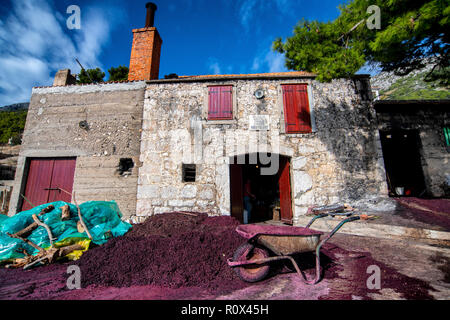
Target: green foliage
<point x="90" y="76"/>
<point x="12" y="125"/>
<point x="118" y="74"/>
<point x="410" y="31"/>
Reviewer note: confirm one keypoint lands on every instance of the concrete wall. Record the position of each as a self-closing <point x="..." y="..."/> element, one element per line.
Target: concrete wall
<point x="428" y="119"/>
<point x="340" y="161"/>
<point x="113" y="113"/>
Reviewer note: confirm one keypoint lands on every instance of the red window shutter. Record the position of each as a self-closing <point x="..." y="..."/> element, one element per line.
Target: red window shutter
<point x="296" y="108"/>
<point x="220" y="103"/>
<point x="290" y="109"/>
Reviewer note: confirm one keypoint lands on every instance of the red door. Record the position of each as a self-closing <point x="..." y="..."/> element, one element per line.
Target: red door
<point x="46" y="180"/>
<point x="237" y="201"/>
<point x="285" y="191"/>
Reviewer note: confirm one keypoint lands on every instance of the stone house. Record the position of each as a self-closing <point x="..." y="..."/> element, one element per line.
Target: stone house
<point x="415" y="138"/>
<point x="189" y="143"/>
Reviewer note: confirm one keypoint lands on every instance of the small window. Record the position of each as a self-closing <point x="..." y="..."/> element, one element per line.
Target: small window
<point x="220" y="103"/>
<point x="126" y="166"/>
<point x="297" y="113"/>
<point x="189" y="172"/>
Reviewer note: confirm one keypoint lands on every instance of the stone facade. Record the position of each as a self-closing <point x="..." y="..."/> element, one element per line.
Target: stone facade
<point x="340" y="161"/>
<point x="162" y="124"/>
<point x="111" y="115"/>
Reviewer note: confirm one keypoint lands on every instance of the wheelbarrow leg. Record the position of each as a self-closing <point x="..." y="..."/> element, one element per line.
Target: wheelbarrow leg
<point x="318" y="269"/>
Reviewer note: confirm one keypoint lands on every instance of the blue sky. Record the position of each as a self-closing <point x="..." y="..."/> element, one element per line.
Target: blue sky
<point x="199" y="37"/>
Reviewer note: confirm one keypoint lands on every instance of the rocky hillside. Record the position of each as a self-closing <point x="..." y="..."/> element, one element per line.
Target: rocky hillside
<point x="410" y="87"/>
<point x="16" y="107"/>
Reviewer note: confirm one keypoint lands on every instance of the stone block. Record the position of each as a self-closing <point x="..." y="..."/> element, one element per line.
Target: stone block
<point x="189" y="191"/>
<point x="302" y="183"/>
<point x="148" y="192"/>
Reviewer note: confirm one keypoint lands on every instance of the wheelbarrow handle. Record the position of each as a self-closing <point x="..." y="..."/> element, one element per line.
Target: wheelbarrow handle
<point x="323" y="215"/>
<point x="336" y="230"/>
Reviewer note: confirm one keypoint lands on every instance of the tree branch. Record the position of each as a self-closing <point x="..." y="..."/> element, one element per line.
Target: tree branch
<point x="40" y="223"/>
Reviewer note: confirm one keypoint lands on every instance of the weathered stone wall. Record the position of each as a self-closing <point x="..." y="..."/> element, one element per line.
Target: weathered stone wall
<point x="429" y="120"/>
<point x="8" y="164"/>
<point x="113" y="114"/>
<point x="340" y="161"/>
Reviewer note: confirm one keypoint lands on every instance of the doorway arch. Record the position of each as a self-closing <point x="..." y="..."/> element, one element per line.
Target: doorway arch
<point x="268" y="176"/>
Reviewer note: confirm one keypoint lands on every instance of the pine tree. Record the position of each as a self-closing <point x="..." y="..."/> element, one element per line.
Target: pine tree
<point x="90" y="76"/>
<point x="409" y="32"/>
<point x="118" y="74"/>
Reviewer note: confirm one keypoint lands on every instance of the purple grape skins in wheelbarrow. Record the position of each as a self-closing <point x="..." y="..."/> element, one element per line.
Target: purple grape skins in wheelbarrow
<point x="251" y="260"/>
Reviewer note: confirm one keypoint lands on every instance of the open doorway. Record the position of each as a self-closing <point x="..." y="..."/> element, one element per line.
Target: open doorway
<point x="404" y="171"/>
<point x="271" y="194"/>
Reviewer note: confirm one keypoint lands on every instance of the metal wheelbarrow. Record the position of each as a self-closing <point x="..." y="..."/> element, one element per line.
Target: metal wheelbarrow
<point x="251" y="260"/>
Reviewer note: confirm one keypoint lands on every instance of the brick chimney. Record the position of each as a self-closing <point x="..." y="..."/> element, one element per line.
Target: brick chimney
<point x="146" y="50"/>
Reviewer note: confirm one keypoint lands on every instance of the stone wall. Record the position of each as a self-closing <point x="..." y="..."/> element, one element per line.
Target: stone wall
<point x="429" y="119"/>
<point x="8" y="163"/>
<point x="98" y="124"/>
<point x="340" y="161"/>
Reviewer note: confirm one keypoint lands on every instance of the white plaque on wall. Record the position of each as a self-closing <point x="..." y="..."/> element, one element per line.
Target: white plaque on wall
<point x="259" y="122"/>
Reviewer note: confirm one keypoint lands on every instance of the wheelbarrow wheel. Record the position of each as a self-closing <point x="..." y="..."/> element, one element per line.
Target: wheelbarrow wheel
<point x="251" y="273"/>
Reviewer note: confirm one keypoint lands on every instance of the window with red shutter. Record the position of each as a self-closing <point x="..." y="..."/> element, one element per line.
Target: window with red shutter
<point x="220" y="105"/>
<point x="297" y="114"/>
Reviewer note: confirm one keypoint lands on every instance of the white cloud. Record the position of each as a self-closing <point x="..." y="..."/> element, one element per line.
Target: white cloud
<point x="285" y="6"/>
<point x="275" y="62"/>
<point x="269" y="61"/>
<point x="249" y="10"/>
<point x="214" y="66"/>
<point x="35" y="43"/>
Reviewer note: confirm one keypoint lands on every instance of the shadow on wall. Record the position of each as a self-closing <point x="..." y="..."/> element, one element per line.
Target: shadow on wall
<point x="347" y="127"/>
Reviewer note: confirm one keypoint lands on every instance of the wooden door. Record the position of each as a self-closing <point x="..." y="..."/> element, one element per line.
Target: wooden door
<point x="237" y="192"/>
<point x="284" y="183"/>
<point x="62" y="179"/>
<point x="45" y="180"/>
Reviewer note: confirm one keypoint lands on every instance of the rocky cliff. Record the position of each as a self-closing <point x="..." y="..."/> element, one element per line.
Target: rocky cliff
<point x="410" y="87"/>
